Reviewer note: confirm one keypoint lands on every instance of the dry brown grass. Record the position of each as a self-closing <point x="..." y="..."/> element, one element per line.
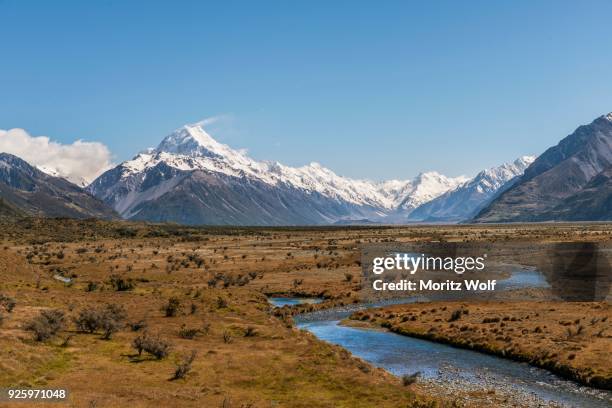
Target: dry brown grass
<point x="569" y="338"/>
<point x="225" y="273"/>
<point x="265" y="362"/>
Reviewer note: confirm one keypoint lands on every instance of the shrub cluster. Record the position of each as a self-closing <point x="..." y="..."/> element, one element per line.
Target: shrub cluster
<point x="153" y="345"/>
<point x="231" y="280"/>
<point x="120" y="284"/>
<point x="47" y="324"/>
<point x="189" y="332"/>
<point x="109" y="319"/>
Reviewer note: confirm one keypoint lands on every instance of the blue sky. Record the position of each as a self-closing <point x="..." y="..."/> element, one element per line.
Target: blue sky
<point x="370" y="89"/>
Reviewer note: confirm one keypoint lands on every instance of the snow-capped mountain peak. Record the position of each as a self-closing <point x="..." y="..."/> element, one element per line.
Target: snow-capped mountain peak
<point x="427" y="186"/>
<point x="492" y="178"/>
<point x="191" y="148"/>
<point x="192" y="140"/>
<point x="271" y="189"/>
<point x="466" y="198"/>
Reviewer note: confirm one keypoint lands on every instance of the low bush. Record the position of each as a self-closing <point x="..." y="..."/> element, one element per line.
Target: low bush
<point x="188" y="332"/>
<point x="153" y="345"/>
<point x="47" y="324"/>
<point x="408" y="379"/>
<point x="184" y="367"/>
<point x="109" y="319"/>
<point x="173" y="307"/>
<point x="139" y="325"/>
<point x="456" y="315"/>
<point x="120" y="284"/>
<point x="113" y="317"/>
<point x="88" y="320"/>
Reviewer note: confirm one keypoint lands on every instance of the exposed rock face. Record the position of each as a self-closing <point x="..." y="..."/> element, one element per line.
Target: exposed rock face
<point x="569" y="181"/>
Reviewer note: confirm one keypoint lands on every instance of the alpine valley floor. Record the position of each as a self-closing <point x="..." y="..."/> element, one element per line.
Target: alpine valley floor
<point x="186" y="289"/>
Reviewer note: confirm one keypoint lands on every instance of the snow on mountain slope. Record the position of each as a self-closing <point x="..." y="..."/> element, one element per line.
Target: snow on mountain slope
<point x="428" y="186"/>
<point x="190" y="149"/>
<point x="79" y="181"/>
<point x="490" y="180"/>
<point x="467" y="199"/>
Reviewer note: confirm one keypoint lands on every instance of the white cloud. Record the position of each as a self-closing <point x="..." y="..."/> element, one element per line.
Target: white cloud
<point x="226" y="117"/>
<point x="80" y="162"/>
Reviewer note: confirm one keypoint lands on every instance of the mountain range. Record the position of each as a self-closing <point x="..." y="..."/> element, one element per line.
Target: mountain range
<point x="569" y="181"/>
<point x="465" y="201"/>
<point x="190" y="178"/>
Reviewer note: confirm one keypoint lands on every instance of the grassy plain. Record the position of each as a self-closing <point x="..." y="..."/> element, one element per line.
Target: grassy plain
<point x="246" y="356"/>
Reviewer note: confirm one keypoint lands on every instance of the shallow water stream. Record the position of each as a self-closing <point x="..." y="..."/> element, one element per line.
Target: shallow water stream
<point x="448" y="366"/>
